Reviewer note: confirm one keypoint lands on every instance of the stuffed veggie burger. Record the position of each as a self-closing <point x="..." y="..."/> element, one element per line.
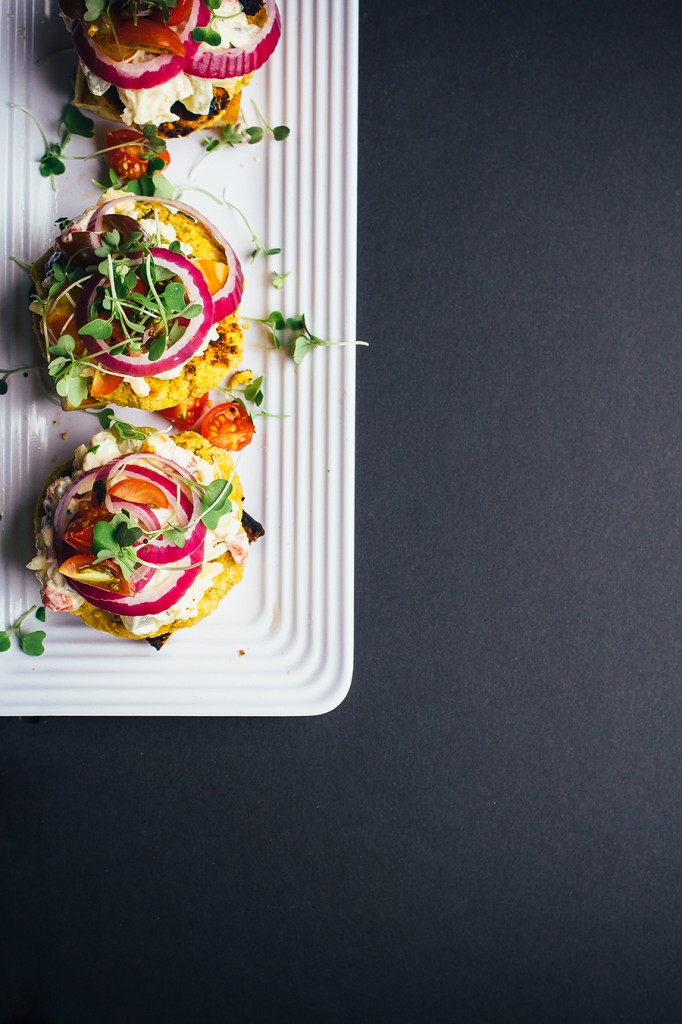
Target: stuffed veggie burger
<point x="177" y="64"/>
<point x="136" y="303"/>
<point x="144" y="534"/>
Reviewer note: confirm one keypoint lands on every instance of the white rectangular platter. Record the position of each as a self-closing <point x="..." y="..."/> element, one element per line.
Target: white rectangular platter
<point x="282" y="642"/>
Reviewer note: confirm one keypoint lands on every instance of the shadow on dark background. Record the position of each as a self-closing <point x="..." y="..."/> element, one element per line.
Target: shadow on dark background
<point x="488" y="828"/>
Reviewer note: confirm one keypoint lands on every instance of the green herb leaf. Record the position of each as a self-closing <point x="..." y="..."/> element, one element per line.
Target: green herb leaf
<point x="41" y="613"/>
<point x="5" y="642"/>
<point x="93" y="9"/>
<point x="157" y="348"/>
<point x="302" y="346"/>
<point x="215" y="502"/>
<point x="206" y="35"/>
<point x="173" y="297"/>
<point x="279" y="279"/>
<point x="281" y="132"/>
<point x="101" y="329"/>
<point x="32" y="643"/>
<point x="76" y="123"/>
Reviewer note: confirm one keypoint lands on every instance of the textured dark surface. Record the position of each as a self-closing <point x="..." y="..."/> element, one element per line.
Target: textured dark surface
<point x="489" y="827"/>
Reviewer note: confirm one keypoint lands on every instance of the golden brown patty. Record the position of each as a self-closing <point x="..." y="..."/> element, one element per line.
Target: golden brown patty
<point x="231" y="572"/>
<point x="201" y="373"/>
<point x="224" y="108"/>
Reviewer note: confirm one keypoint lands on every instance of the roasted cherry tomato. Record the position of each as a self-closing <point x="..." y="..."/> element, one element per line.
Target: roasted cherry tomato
<point x="139" y="492"/>
<point x="127" y="158"/>
<point x="78" y="534"/>
<point x="104" y="575"/>
<point x="150" y="36"/>
<point x="185" y="414"/>
<point x="228" y="426"/>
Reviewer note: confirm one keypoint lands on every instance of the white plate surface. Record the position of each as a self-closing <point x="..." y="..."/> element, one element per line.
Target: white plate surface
<point x="282" y="642"/>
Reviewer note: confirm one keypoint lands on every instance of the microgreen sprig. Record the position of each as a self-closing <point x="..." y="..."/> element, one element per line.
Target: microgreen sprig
<point x="30" y="643"/>
<point x="126" y="431"/>
<point x="65" y="367"/>
<point x="72" y="122"/>
<point x="250" y="396"/>
<point x="241" y="134"/>
<point x="114" y="539"/>
<point x="292" y="334"/>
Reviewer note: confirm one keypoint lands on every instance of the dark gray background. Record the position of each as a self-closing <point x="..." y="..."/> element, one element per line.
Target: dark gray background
<point x="490" y="827"/>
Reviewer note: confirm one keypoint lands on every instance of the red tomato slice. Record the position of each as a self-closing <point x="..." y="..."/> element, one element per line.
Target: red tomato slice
<point x="104" y="575"/>
<point x="179" y="13"/>
<point x="185" y="414"/>
<point x="78" y="534"/>
<point x="140" y="492"/>
<point x="103" y="384"/>
<point x="228" y="426"/>
<point x="150" y="36"/>
<point x="127" y="158"/>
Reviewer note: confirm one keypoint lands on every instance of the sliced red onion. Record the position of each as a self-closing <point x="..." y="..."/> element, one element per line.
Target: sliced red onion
<point x="185" y="505"/>
<point x="227" y="298"/>
<point x="177" y="354"/>
<point x="151" y="599"/>
<point x="149" y="73"/>
<point x="79" y="485"/>
<point x="142" y="513"/>
<point x="212" y="62"/>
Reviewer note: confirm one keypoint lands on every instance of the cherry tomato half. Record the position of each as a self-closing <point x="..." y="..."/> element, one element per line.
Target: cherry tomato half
<point x="78" y="534"/>
<point x="127" y="160"/>
<point x="150" y="36"/>
<point x="139" y="492"/>
<point x="104" y="575"/>
<point x="228" y="426"/>
<point x="185" y="414"/>
<point x="177" y="15"/>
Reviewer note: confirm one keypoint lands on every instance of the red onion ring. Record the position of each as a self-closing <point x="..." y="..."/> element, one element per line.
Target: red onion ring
<point x="150" y="600"/>
<point x="148" y="73"/>
<point x="184" y="503"/>
<point x="179" y="352"/>
<point x="212" y="62"/>
<point x="152" y="595"/>
<point x="227" y="298"/>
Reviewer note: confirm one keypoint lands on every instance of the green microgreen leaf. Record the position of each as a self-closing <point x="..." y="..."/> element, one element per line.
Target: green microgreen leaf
<point x="112" y="540"/>
<point x="30" y="643"/>
<point x="157" y="348"/>
<point x="207" y="35"/>
<point x="173" y="297"/>
<point x="278" y="279"/>
<point x="215" y="502"/>
<point x="293" y="335"/>
<point x="109" y="421"/>
<point x="100" y="329"/>
<point x="76" y="123"/>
